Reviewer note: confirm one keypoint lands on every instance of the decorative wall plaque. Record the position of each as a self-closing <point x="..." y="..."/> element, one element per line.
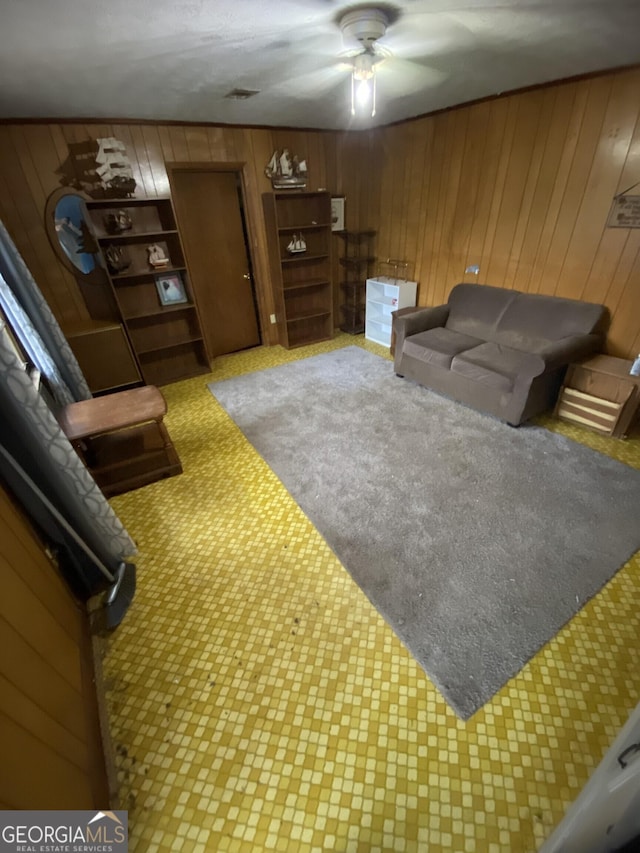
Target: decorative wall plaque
<point x="625" y="212"/>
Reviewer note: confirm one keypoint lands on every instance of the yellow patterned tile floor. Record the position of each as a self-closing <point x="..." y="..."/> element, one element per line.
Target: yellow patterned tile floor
<point x="257" y="701"/>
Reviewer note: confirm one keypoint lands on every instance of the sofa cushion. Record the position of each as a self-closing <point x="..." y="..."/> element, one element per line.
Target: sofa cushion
<point x="438" y="346"/>
<point x="531" y="320"/>
<point x="494" y="364"/>
<point x="475" y="309"/>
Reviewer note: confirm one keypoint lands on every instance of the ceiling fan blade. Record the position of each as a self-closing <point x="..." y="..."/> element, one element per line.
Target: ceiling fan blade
<point x="427" y="34"/>
<point x="399" y="77"/>
<point x="312" y="84"/>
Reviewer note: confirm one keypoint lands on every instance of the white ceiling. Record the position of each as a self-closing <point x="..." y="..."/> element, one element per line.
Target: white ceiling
<point x="176" y="59"/>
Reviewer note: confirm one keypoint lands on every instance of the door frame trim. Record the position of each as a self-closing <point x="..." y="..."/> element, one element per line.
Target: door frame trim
<point x="262" y="285"/>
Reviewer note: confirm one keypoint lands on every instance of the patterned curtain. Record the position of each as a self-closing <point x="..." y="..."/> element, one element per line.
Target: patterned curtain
<point x="49" y="338"/>
<point x="30" y="434"/>
<point x="33" y="346"/>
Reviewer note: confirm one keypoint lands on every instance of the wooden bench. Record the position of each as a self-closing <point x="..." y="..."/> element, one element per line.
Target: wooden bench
<point x="122" y="439"/>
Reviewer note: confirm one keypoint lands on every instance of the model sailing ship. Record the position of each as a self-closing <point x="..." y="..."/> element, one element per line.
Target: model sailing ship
<point x="297" y="244"/>
<point x="286" y="172"/>
<point x="113" y="167"/>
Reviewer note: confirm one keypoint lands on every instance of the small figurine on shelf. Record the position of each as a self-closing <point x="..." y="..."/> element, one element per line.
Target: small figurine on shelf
<point x="157" y="258"/>
<point x="118" y="222"/>
<point x="117" y="261"/>
<point x="297" y="244"/>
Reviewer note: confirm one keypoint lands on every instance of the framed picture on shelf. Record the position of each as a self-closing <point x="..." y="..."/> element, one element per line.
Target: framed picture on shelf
<point x="170" y="288"/>
<point x="337" y="213"/>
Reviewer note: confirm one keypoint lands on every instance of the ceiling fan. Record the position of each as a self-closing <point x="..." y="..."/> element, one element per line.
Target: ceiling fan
<point x="399" y="51"/>
<point x="363" y="28"/>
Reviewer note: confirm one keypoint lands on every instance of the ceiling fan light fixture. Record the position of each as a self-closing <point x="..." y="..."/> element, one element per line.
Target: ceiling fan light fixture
<point x="363" y="93"/>
<point x="363" y="66"/>
<point x="365" y="26"/>
<point x="363" y="83"/>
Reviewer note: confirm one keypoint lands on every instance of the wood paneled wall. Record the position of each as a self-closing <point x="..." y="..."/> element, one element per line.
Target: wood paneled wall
<point x="521" y="185"/>
<point x="49" y="734"/>
<point x="31" y="156"/>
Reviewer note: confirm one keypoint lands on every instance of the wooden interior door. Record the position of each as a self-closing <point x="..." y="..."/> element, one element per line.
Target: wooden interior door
<point x="207" y="204"/>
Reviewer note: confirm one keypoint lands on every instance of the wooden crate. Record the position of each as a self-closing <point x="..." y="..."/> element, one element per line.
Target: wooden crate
<point x="600" y="394"/>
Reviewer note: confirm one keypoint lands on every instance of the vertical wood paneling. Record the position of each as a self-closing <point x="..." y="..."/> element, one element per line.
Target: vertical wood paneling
<point x="52" y="753"/>
<point x="179" y="144"/>
<point x="31" y="156"/>
<point x="415" y="170"/>
<point x="24" y="222"/>
<point x="385" y="213"/>
<point x="515" y="164"/>
<point x="449" y="182"/>
<point x="608" y="161"/>
<point x="141" y="172"/>
<point x="624" y="298"/>
<point x="424" y="183"/>
<point x="217" y="146"/>
<point x="599" y="92"/>
<point x="532" y="164"/>
<point x="487" y="137"/>
<point x="166" y="145"/>
<point x="521" y="186"/>
<point x="450" y="242"/>
<point x="144" y="162"/>
<point x="396" y="193"/>
<point x="555" y="130"/>
<point x="490" y="258"/>
<point x="154" y="152"/>
<point x="424" y="266"/>
<point x="472" y="162"/>
<point x="198" y="144"/>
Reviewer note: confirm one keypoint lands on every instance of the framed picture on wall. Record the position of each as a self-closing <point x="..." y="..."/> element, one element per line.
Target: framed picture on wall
<point x="337" y="213"/>
<point x="170" y="289"/>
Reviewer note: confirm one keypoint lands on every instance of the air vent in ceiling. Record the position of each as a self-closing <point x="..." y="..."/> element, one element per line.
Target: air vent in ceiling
<point x="241" y="94"/>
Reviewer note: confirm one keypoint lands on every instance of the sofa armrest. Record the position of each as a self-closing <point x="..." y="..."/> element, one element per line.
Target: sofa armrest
<point x="417" y="321"/>
<point x="560" y="353"/>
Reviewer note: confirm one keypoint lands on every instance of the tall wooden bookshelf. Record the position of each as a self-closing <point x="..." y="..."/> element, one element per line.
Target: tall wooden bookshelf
<point x="301" y="279"/>
<point x="166" y="340"/>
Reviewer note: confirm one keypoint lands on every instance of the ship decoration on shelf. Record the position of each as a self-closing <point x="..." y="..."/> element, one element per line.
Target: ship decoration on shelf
<point x="297" y="245"/>
<point x="286" y="172"/>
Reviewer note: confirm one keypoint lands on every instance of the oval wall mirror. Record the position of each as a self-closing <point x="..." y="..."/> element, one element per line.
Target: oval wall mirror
<point x="68" y="226"/>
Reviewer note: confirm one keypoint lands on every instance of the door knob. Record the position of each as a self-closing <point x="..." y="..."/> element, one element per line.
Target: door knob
<point x="246" y="275"/>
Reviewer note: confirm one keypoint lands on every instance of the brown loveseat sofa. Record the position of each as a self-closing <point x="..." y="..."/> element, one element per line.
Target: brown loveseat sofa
<point x="500" y="351"/>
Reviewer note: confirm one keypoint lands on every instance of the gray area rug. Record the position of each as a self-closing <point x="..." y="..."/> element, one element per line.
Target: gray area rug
<point x="475" y="541"/>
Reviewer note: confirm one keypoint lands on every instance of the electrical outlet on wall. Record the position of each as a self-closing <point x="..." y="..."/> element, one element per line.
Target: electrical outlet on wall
<point x="272" y="317"/>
